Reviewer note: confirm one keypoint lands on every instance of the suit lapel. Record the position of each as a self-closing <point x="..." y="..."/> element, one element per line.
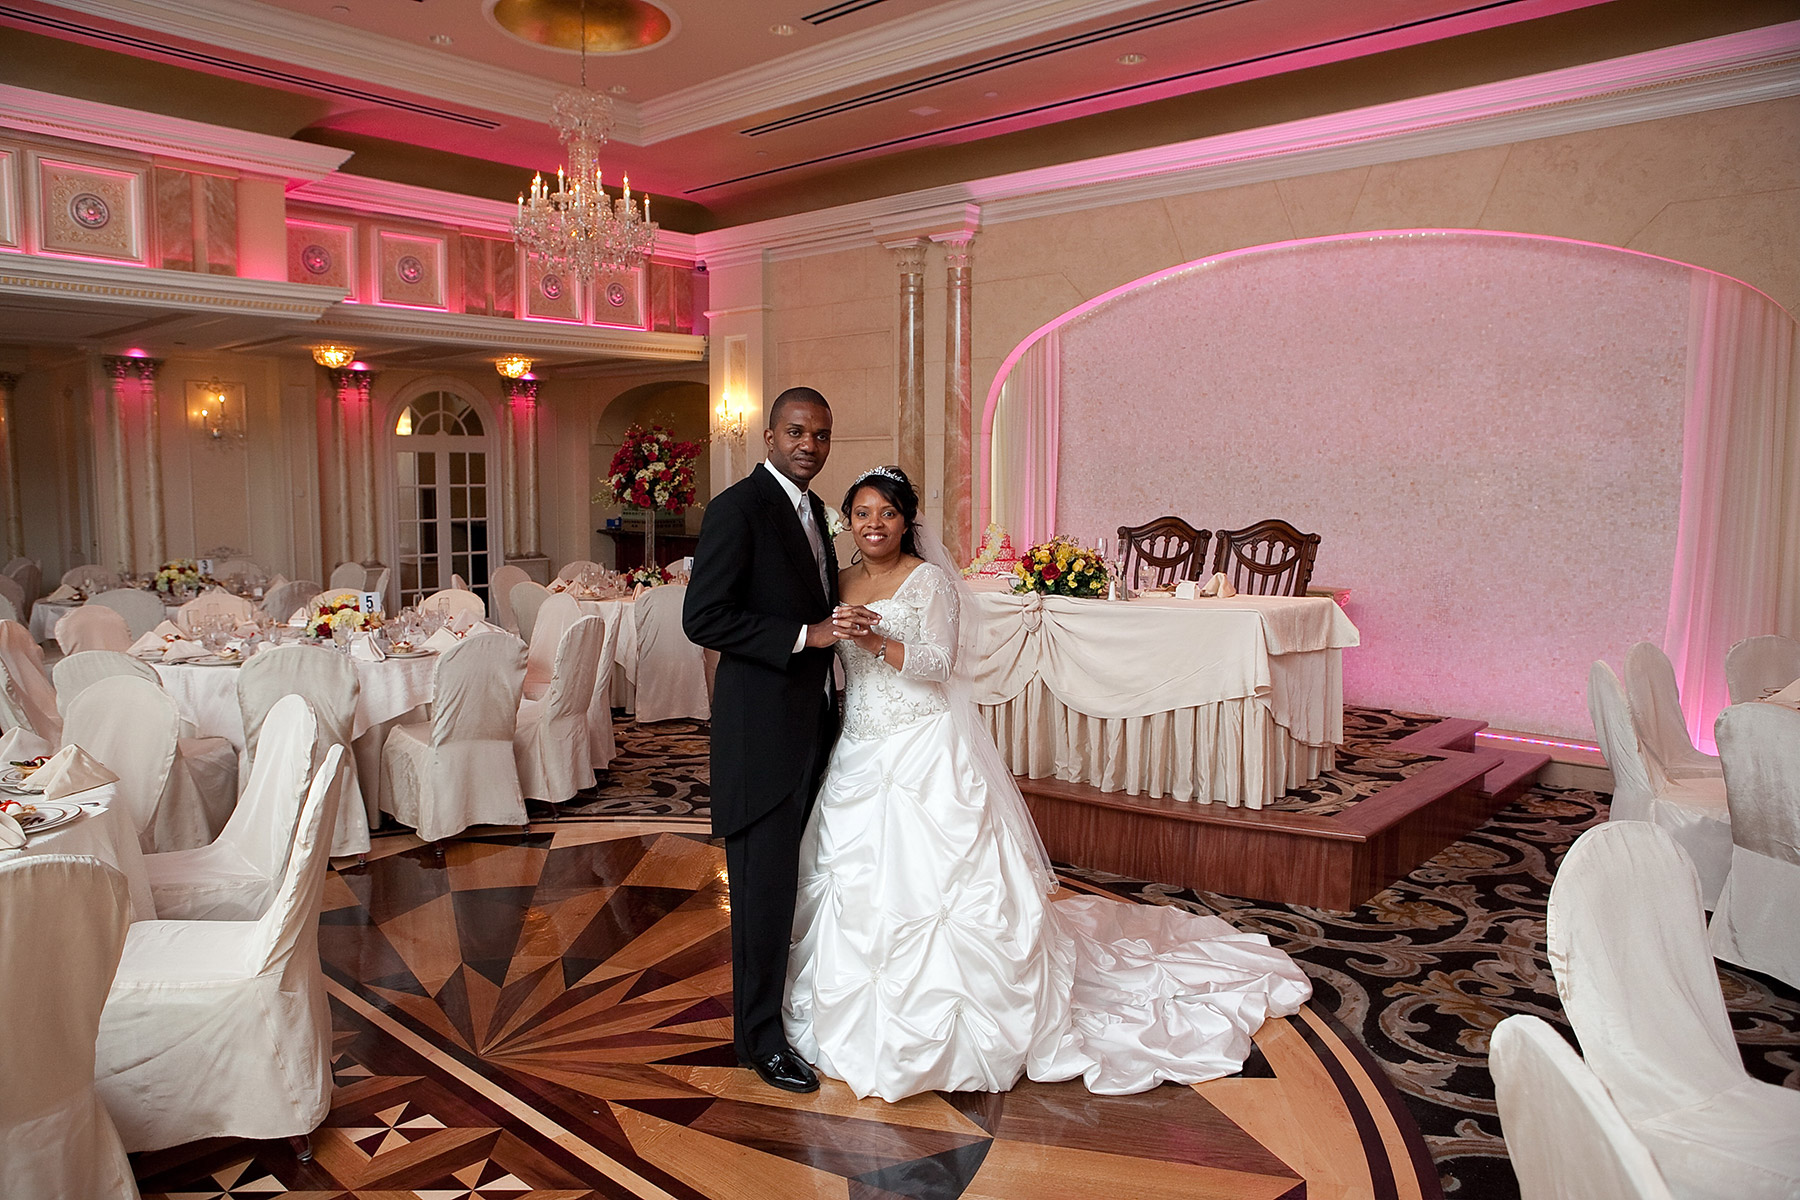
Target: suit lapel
<point x="786" y="520"/>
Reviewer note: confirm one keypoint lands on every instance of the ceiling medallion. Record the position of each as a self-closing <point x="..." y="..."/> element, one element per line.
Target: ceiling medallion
<point x="611" y="26"/>
<point x="579" y="229"/>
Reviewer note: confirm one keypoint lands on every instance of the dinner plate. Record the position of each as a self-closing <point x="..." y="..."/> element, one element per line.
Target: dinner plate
<point x="212" y="660"/>
<point x="13" y="780"/>
<point x="411" y="653"/>
<point x="49" y="815"/>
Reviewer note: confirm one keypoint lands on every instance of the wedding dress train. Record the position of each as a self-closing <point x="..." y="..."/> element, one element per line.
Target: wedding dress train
<point x="927" y="955"/>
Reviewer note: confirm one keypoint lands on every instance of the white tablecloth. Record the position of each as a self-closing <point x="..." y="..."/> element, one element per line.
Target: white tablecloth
<point x="1228" y="701"/>
<point x="45" y="615"/>
<point x="207" y="696"/>
<point x="107" y="835"/>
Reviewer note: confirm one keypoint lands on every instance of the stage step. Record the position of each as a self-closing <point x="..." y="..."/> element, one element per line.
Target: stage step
<point x="1517" y="772"/>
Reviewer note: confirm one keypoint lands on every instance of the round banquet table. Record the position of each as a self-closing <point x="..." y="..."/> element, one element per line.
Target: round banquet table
<point x="46" y="613"/>
<point x="106" y="834"/>
<point x="1218" y="701"/>
<point x="387" y="692"/>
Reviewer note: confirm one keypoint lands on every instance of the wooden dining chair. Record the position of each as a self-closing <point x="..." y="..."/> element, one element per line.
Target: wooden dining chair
<point x="1269" y="558"/>
<point x="1168" y="548"/>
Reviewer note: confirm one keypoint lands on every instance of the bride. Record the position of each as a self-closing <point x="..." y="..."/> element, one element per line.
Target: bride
<point x="927" y="954"/>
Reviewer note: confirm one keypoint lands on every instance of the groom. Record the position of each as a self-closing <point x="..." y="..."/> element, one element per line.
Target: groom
<point x="761" y="593"/>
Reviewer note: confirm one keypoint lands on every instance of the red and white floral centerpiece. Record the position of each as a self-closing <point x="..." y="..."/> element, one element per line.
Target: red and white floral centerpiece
<point x="652" y="471"/>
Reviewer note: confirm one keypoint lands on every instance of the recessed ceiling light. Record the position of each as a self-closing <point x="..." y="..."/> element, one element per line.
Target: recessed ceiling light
<point x="782" y="30"/>
<point x="924" y="110"/>
<point x="440" y="39"/>
<point x="342" y="10"/>
<point x="1130" y="60"/>
<point x="618" y="89"/>
<point x="990" y="95"/>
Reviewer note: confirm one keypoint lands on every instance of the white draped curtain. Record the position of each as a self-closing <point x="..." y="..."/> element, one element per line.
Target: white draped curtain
<point x="1737" y="552"/>
<point x="1022" y="442"/>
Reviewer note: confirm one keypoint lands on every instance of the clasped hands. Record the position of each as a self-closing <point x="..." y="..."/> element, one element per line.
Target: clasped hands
<point x="847" y="623"/>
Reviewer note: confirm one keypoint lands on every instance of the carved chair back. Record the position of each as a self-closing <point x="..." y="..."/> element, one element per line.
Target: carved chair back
<point x="1164" y="551"/>
<point x="1269" y="558"/>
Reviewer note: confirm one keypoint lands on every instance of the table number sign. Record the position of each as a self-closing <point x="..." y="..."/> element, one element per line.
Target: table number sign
<point x="369" y="602"/>
<point x="205" y="565"/>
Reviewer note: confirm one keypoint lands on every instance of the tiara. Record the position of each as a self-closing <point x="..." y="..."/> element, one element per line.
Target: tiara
<point x="892" y="473"/>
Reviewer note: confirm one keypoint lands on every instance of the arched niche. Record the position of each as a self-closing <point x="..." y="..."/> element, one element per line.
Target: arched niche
<point x="683" y="407"/>
<point x="1522" y="453"/>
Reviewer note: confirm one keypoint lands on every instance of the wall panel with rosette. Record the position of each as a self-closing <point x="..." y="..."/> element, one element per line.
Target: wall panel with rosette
<point x="1489" y="431"/>
<point x="85" y="210"/>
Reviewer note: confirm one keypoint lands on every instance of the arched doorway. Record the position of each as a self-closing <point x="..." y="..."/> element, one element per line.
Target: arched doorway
<point x="446" y="493"/>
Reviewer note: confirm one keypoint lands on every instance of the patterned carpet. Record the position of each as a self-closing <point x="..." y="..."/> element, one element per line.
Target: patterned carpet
<point x="1419" y="976"/>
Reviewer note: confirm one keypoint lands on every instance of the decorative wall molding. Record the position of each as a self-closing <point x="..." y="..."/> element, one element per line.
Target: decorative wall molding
<point x="1742" y="68"/>
<point x="346" y="322"/>
<point x="28" y="275"/>
<point x="109" y="125"/>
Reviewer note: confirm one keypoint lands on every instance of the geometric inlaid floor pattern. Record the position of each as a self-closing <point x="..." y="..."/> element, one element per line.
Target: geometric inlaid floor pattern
<point x="548" y="1015"/>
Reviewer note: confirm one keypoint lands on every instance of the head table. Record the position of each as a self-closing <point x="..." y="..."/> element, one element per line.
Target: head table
<point x="1226" y="701"/>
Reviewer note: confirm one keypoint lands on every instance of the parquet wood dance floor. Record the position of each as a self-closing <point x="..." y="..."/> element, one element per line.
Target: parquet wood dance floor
<point x="547" y="1015"/>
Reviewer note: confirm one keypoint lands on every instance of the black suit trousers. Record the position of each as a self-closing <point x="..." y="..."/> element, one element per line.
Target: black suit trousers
<point x="762" y="864"/>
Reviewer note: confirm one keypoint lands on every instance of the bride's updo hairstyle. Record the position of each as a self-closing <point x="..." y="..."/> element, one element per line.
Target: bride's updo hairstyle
<point x="897" y="489"/>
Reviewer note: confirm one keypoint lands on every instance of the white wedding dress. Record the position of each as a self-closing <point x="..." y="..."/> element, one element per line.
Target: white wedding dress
<point x="927" y="955"/>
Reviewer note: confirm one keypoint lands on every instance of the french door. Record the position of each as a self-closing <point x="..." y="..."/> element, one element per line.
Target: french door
<point x="443" y="502"/>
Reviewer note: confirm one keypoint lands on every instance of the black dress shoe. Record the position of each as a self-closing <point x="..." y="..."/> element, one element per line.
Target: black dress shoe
<point x="785" y="1070"/>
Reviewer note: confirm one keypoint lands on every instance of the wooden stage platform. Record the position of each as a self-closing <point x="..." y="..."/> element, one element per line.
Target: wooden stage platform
<point x="1335" y="862"/>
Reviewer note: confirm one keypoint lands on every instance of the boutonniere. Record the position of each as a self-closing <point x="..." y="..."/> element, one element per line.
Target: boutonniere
<point x="834" y="523"/>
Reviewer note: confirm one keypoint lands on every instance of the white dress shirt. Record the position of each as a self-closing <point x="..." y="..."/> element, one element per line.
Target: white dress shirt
<point x="798" y="496"/>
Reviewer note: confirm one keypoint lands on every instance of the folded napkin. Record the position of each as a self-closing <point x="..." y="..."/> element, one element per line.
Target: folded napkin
<point x="275" y="581"/>
<point x="181" y="651"/>
<point x="150" y="643"/>
<point x="442" y="640"/>
<point x="1218" y="586"/>
<point x="69" y="770"/>
<point x="62" y="595"/>
<point x="168" y="631"/>
<point x="11" y="836"/>
<point x="461" y="621"/>
<point x="482" y="627"/>
<point x="298" y="620"/>
<point x="363" y="646"/>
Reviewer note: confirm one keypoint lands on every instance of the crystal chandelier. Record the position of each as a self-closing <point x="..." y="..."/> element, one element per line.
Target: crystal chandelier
<point x="578" y="229"/>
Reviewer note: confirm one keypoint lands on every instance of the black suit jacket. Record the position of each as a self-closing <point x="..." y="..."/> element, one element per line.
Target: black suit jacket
<point x="753" y="584"/>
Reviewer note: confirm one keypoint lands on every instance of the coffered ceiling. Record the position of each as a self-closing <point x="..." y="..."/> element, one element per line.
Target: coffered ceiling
<point x="735" y="110"/>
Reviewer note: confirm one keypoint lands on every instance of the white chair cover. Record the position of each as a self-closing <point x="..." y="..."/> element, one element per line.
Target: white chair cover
<point x="603" y="747"/>
<point x="74" y="674"/>
<point x="143" y="611"/>
<point x="1564" y="1134"/>
<point x="240" y="569"/>
<point x="9" y="611"/>
<point x="671" y="670"/>
<point x="500" y="590"/>
<point x="551" y="744"/>
<point x="526" y="599"/>
<point x="27" y="699"/>
<point x="1693" y="810"/>
<point x="1756" y="664"/>
<point x="90" y="578"/>
<point x="379" y="584"/>
<point x="234" y="878"/>
<point x="1754" y="923"/>
<point x="1656" y="712"/>
<point x="283" y="600"/>
<point x="213" y="603"/>
<point x="133" y="726"/>
<point x="452" y="601"/>
<point x="554" y="619"/>
<point x="349" y="575"/>
<point x="14" y="595"/>
<point x="456" y="770"/>
<point x="93" y="627"/>
<point x="221" y="1028"/>
<point x="60" y="942"/>
<point x="30" y="578"/>
<point x="572" y="570"/>
<point x="1627" y="944"/>
<point x="328" y="682"/>
<point x="334" y="593"/>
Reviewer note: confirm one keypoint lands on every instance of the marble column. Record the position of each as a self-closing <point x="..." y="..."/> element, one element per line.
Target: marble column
<point x="343" y="387"/>
<point x="509" y="455"/>
<point x="910" y="257"/>
<point x="958" y="384"/>
<point x="524" y="393"/>
<point x="146" y="369"/>
<point x="15" y="514"/>
<point x="119" y="367"/>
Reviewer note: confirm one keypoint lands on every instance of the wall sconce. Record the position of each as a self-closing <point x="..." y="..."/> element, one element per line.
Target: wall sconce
<point x="216" y="413"/>
<point x="334" y="358"/>
<point x="513" y="366"/>
<point x="734" y="423"/>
